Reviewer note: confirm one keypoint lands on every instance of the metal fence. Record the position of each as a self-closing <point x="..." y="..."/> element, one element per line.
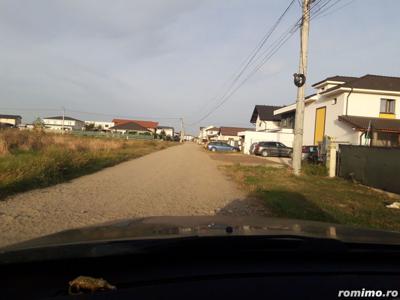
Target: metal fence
<point x="101" y="134"/>
<point x="373" y="166"/>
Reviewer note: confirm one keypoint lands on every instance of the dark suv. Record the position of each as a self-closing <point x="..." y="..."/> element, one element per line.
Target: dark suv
<point x="272" y="149"/>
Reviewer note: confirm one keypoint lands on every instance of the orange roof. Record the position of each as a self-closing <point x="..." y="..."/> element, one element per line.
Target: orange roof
<point x="146" y="124"/>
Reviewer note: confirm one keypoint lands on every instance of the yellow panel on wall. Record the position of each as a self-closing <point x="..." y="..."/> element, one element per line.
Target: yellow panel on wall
<point x="387" y="116"/>
<point x="319" y="130"/>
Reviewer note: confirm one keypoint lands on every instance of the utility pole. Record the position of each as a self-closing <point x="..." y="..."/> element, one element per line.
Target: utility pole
<point x="182" y="131"/>
<point x="63" y="119"/>
<point x="300" y="80"/>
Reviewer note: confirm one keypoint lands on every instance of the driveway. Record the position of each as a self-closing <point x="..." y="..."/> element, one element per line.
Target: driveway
<point x="178" y="181"/>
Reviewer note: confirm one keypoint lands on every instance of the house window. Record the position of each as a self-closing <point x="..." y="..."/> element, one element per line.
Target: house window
<point x="334" y="101"/>
<point x="387" y="106"/>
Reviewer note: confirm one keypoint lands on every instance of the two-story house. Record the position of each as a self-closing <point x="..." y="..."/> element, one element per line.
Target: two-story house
<point x="346" y="108"/>
<point x="264" y="119"/>
<point x="63" y="123"/>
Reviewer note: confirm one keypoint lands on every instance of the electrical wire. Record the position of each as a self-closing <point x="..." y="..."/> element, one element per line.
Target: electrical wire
<point x="248" y="61"/>
<point x="267" y="55"/>
<point x="318" y="9"/>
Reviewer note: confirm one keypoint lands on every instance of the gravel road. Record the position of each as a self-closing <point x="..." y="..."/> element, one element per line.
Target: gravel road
<point x="178" y="181"/>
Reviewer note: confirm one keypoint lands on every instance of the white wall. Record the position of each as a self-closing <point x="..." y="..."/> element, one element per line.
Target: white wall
<point x="266" y="125"/>
<point x="10" y="121"/>
<point x="285" y="136"/>
<point x="228" y="137"/>
<point x="168" y="131"/>
<point x="104" y="125"/>
<point x="368" y="105"/>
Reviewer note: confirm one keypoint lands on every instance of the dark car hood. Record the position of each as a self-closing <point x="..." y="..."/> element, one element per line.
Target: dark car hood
<point x="173" y="227"/>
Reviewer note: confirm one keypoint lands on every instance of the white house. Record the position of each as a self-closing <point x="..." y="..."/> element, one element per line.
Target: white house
<point x="169" y="131"/>
<point x="344" y="108"/>
<point x="188" y="138"/>
<point x="60" y="123"/>
<point x="230" y="135"/>
<point x="102" y="125"/>
<point x="10" y="120"/>
<point x="208" y="133"/>
<point x="269" y="128"/>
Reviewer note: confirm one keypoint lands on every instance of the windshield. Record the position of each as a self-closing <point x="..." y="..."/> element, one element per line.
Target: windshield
<point x="125" y="110"/>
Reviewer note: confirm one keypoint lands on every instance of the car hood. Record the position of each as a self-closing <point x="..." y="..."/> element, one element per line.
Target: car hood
<point x="173" y="227"/>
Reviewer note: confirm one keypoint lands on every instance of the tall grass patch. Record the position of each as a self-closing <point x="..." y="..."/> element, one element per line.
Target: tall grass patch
<point x="32" y="159"/>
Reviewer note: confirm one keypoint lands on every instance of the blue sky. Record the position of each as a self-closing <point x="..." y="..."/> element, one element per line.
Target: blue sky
<point x="163" y="59"/>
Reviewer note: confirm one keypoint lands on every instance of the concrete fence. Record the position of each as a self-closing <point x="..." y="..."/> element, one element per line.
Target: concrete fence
<point x="373" y="166"/>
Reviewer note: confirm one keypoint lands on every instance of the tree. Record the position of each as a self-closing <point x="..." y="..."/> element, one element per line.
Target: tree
<point x="163" y="135"/>
<point x="38" y="123"/>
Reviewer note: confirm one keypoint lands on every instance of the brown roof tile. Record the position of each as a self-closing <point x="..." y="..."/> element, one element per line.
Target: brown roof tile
<point x="147" y="124"/>
<point x="371" y="82"/>
<point x="265" y="113"/>
<point x="130" y="126"/>
<point x="336" y="78"/>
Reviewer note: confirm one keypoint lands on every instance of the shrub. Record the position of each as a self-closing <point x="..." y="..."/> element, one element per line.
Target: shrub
<point x="315" y="169"/>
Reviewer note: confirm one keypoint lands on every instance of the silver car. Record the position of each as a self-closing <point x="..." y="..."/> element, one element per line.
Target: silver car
<point x="272" y="149"/>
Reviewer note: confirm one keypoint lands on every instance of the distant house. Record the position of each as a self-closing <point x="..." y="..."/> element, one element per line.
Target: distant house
<point x="188" y="138"/>
<point x="169" y="131"/>
<point x="211" y="133"/>
<point x="130" y="128"/>
<point x="150" y="125"/>
<point x="202" y="137"/>
<point x="60" y="123"/>
<point x="264" y="119"/>
<point x="101" y="125"/>
<point x="269" y="127"/>
<point x="10" y="120"/>
<point x="230" y="134"/>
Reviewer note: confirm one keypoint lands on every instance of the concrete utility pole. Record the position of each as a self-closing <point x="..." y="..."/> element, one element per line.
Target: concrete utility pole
<point x="300" y="83"/>
<point x="182" y="131"/>
<point x="63" y="119"/>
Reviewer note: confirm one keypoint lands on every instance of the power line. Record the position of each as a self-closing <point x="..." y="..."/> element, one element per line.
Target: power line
<point x="248" y="61"/>
<point x="268" y="53"/>
<point x="322" y="14"/>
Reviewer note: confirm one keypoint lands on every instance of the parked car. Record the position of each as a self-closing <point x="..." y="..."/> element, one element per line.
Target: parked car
<point x="221" y="146"/>
<point x="272" y="149"/>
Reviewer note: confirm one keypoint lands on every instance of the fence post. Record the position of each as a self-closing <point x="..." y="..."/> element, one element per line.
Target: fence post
<point x="332" y="159"/>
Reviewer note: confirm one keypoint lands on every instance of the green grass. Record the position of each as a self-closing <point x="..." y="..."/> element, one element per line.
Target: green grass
<point x="313" y="196"/>
<point x="23" y="170"/>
